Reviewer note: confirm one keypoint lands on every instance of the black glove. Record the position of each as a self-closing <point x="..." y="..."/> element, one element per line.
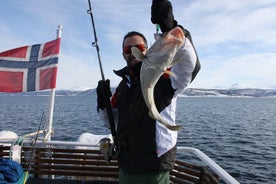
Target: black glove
<point x="103" y="92"/>
<point x="162" y="14"/>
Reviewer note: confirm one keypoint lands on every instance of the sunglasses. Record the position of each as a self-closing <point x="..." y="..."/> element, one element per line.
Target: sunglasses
<point x="127" y="49"/>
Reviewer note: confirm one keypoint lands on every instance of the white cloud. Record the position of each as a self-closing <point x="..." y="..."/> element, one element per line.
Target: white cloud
<point x="256" y="70"/>
<point x="235" y="40"/>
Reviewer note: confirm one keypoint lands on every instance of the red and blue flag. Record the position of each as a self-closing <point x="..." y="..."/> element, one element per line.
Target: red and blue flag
<point x="29" y="68"/>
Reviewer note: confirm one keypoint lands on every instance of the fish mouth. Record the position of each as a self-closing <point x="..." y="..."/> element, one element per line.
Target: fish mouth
<point x="132" y="61"/>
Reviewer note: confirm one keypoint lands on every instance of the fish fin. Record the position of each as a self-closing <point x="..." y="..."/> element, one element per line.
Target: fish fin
<point x="169" y="73"/>
<point x="178" y="33"/>
<point x="137" y="53"/>
<point x="171" y="127"/>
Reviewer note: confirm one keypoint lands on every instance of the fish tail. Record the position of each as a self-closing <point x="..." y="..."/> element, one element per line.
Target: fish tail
<point x="167" y="125"/>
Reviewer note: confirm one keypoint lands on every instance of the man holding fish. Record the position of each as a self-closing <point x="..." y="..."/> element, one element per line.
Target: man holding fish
<point x="144" y="103"/>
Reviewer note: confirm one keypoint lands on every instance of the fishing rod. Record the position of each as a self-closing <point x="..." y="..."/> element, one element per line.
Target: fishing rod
<point x="107" y="101"/>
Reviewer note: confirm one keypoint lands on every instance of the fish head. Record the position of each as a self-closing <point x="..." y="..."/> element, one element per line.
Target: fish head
<point x="163" y="49"/>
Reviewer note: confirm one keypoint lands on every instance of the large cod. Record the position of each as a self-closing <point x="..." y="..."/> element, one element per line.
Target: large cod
<point x="155" y="63"/>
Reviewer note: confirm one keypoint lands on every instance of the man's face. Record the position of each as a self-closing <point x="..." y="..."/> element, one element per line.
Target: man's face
<point x="133" y="41"/>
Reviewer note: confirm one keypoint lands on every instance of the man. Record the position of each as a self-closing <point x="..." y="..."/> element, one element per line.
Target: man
<point x="146" y="149"/>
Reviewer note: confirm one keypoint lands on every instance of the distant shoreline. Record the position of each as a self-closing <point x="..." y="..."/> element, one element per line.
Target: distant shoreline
<point x="190" y="92"/>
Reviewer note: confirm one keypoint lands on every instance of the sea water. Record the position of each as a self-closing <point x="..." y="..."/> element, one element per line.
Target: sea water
<point x="237" y="133"/>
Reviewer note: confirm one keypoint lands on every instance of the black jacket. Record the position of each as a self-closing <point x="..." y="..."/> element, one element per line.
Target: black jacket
<point x="136" y="130"/>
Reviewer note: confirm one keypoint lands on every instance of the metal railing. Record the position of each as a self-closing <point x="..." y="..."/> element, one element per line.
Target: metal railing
<point x="225" y="176"/>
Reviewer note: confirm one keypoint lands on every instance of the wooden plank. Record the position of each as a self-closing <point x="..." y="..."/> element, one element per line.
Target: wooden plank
<point x="69" y="162"/>
<point x="62" y="150"/>
<point x="179" y="180"/>
<point x="4" y="151"/>
<point x="76" y="168"/>
<point x="90" y="163"/>
<point x="184" y="176"/>
<point x="72" y="173"/>
<point x="208" y="177"/>
<point x="189" y="165"/>
<point x="189" y="171"/>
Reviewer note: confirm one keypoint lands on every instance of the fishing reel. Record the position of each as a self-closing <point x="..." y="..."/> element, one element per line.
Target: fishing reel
<point x="108" y="149"/>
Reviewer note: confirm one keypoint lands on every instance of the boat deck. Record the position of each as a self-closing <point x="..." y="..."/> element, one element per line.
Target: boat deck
<point x="63" y="164"/>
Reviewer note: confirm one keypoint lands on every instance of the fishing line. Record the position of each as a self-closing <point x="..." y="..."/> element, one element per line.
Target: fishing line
<point x="34" y="143"/>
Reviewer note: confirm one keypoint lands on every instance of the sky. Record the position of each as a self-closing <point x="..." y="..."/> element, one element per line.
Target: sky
<point x="235" y="40"/>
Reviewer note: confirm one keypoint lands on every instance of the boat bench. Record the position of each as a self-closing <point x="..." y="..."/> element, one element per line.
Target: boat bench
<point x="88" y="166"/>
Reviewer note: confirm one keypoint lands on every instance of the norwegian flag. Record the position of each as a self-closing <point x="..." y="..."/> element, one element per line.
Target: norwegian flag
<point x="29" y="68"/>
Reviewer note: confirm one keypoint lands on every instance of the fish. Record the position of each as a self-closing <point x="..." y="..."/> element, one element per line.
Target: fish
<point x="155" y="63"/>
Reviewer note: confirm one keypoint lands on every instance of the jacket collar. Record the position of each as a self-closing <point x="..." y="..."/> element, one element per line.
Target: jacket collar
<point x="131" y="76"/>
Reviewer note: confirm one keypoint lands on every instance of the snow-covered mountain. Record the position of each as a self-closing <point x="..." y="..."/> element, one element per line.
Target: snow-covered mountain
<point x="234" y="92"/>
<point x="190" y="92"/>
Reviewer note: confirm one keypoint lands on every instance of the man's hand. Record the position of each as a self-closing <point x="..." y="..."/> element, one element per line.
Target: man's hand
<point x="103" y="91"/>
<point x="108" y="149"/>
<point x="162" y="14"/>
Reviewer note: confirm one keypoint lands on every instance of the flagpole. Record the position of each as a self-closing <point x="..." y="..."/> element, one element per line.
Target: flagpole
<point x="52" y="100"/>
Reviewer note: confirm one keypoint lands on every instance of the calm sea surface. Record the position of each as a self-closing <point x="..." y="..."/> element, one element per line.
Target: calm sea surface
<point x="238" y="133"/>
